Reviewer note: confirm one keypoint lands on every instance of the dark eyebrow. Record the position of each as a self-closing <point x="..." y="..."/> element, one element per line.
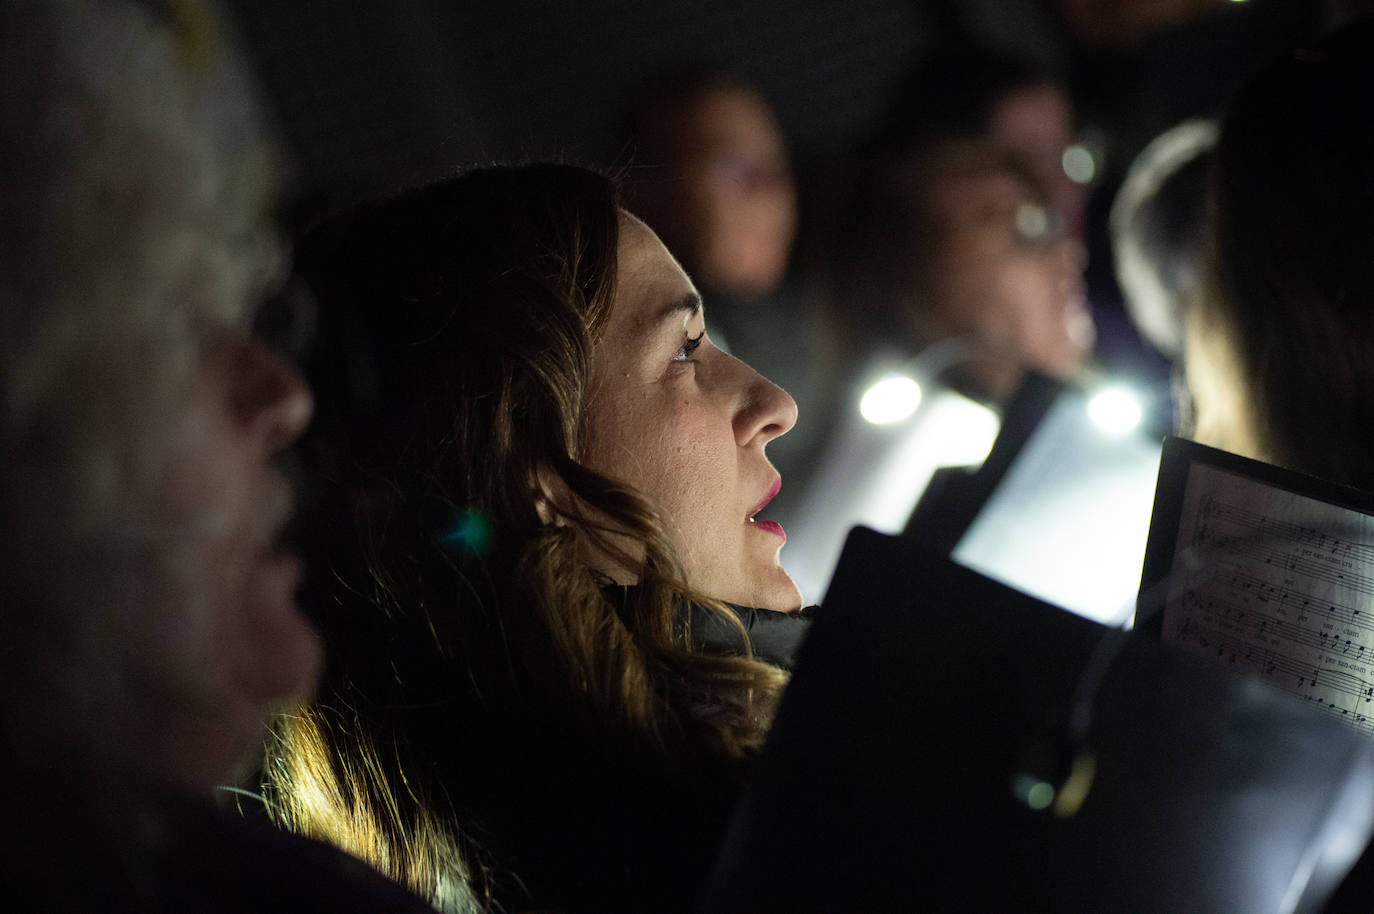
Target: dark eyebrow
<point x="690" y="303"/>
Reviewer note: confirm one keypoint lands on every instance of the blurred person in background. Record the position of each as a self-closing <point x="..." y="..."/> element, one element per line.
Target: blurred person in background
<point x="951" y="272"/>
<point x="1032" y="120"/>
<point x="1156" y="226"/>
<point x="149" y="613"/>
<point x="960" y="228"/>
<point x="712" y="177"/>
<point x="1279" y="347"/>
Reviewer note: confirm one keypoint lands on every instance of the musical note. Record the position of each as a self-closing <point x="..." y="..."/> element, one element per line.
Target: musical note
<point x="1279" y="586"/>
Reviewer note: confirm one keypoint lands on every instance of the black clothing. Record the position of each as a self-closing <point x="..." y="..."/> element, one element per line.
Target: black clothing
<point x="902" y="770"/>
<point x="592" y="818"/>
<point x="773" y="636"/>
<point x="117" y="850"/>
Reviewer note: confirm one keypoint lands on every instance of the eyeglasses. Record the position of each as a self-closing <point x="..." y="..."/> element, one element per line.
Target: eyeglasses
<point x="1037" y="225"/>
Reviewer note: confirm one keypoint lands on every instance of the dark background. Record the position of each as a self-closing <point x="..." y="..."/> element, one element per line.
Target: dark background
<point x="371" y="97"/>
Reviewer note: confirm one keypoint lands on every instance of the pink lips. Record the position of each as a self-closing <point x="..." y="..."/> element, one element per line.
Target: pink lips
<point x="769" y="526"/>
<point x="773" y="490"/>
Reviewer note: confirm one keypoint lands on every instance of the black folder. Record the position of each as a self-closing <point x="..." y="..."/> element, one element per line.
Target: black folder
<point x="948" y="743"/>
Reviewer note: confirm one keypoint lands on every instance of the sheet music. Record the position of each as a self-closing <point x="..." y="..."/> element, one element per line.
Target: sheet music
<point x="1279" y="585"/>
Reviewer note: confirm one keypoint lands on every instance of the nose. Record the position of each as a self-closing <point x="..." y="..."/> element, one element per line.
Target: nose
<point x="270" y="397"/>
<point x="766" y="411"/>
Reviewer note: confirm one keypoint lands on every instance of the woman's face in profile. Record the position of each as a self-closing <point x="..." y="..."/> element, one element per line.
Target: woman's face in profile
<point x="686" y="424"/>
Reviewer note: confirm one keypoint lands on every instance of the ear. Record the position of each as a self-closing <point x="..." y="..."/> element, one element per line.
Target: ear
<point x="551" y="498"/>
<point x="554" y="502"/>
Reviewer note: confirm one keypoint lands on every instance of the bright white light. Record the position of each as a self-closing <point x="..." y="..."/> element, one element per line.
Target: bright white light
<point x="1078" y="164"/>
<point x="963" y="433"/>
<point x="892" y="399"/>
<point x="1115" y="410"/>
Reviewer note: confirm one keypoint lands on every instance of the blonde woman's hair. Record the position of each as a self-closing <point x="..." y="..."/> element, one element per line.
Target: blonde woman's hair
<point x="1286" y="307"/>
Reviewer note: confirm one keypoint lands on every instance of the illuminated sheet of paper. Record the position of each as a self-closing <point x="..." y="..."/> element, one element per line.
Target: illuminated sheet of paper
<point x="1068" y="522"/>
<point x="1278" y="585"/>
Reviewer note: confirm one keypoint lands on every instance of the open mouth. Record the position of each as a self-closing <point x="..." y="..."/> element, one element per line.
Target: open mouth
<point x="769" y="526"/>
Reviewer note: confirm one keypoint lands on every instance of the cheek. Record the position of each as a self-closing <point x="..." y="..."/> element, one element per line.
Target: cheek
<point x="672" y="456"/>
<point x="1025" y="292"/>
<point x="967" y="274"/>
<point x="219" y="506"/>
<point x="176" y="644"/>
<point x="691" y="469"/>
<point x="629" y="443"/>
<point x="675" y="459"/>
<point x="770" y="224"/>
<point x="726" y="227"/>
<point x="975" y="294"/>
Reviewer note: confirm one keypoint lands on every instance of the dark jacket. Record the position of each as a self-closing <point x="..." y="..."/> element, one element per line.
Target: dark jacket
<point x="773" y="636"/>
<point x="613" y="826"/>
<point x="70" y="848"/>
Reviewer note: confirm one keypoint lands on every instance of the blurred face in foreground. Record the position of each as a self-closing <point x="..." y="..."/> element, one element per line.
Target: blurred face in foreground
<point x="686" y="425"/>
<point x="220" y="635"/>
<point x="149" y="615"/>
<point x="158" y="622"/>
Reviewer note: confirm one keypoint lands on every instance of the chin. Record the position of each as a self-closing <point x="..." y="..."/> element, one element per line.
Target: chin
<point x="288" y="668"/>
<point x="782" y="596"/>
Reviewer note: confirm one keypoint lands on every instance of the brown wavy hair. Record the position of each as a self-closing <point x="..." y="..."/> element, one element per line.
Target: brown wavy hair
<point x="494" y="713"/>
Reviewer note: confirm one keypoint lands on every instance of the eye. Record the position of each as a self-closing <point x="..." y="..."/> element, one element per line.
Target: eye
<point x="688" y="347"/>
